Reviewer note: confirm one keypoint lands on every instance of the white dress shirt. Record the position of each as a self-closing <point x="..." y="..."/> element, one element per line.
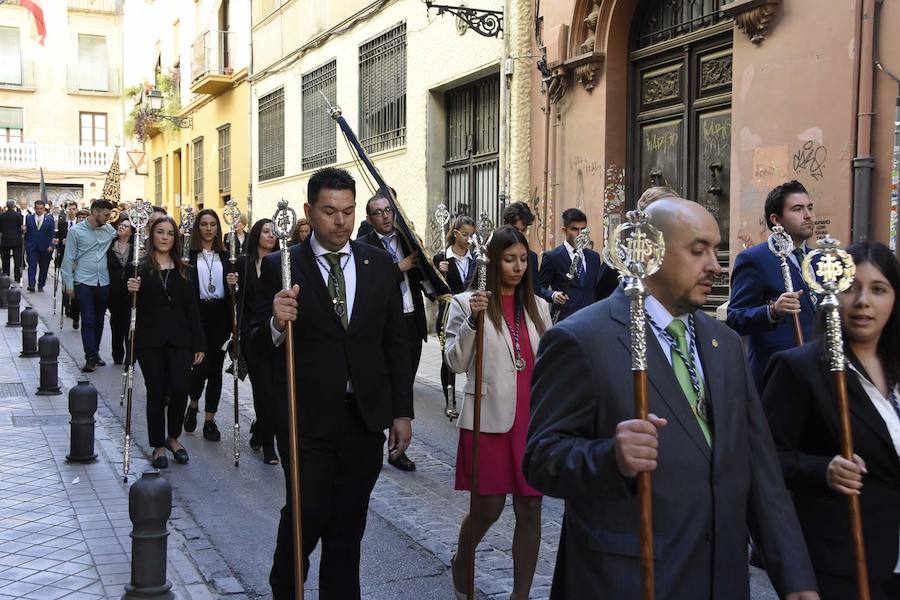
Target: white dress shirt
<point x="205" y="260"/>
<point x="462" y="262"/>
<point x="38" y="221"/>
<point x="663" y="318"/>
<point x="395" y="249"/>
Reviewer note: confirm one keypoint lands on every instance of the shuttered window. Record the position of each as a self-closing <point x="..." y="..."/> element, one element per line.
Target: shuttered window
<point x="271" y="135"/>
<point x="198" y="170"/>
<point x="319" y="129"/>
<point x="382" y="90"/>
<point x="225" y="158"/>
<point x="157" y="181"/>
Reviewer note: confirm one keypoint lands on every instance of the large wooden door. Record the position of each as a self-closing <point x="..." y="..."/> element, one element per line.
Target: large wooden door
<point x="681" y="84"/>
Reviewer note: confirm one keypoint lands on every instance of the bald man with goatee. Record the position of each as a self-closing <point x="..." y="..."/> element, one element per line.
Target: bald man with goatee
<point x="716" y="475"/>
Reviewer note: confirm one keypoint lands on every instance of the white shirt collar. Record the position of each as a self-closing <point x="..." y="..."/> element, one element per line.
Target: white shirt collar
<point x="569" y="247"/>
<point x="318" y="250"/>
<point x="659" y="313"/>
<point x="390" y="235"/>
<point x="449" y="251"/>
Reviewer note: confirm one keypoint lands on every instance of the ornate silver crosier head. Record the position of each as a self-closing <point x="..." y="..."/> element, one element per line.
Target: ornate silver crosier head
<point x="187" y="220"/>
<point x="583" y="240"/>
<point x="780" y="243"/>
<point x="829" y="270"/>
<point x="442" y="216"/>
<point x="139" y="215"/>
<point x="283" y="222"/>
<point x="478" y="248"/>
<point x="232" y="215"/>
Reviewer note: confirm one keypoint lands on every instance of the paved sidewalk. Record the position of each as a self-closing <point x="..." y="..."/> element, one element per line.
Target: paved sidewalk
<point x="64" y="528"/>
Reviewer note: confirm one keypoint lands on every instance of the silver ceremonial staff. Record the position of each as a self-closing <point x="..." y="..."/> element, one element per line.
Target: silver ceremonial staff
<point x="232" y="216"/>
<point x="636" y="249"/>
<point x="139" y="215"/>
<point x="781" y="245"/>
<point x="187" y="225"/>
<point x="829" y="270"/>
<point x="283" y="222"/>
<point x="442" y="218"/>
<point x="581" y="242"/>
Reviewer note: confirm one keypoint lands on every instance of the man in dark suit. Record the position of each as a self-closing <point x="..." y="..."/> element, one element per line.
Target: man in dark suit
<point x="353" y="381"/>
<point x="385" y="236"/>
<point x="714" y="472"/>
<point x="593" y="281"/>
<point x="11" y="223"/>
<point x="39" y="231"/>
<point x="759" y="307"/>
<point x="519" y="215"/>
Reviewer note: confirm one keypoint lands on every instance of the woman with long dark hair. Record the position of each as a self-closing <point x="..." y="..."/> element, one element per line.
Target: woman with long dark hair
<point x="515" y="321"/>
<point x="209" y="258"/>
<point x="458" y="267"/>
<point x="119" y="260"/>
<point x="801" y="405"/>
<point x="168" y="337"/>
<point x="260" y="243"/>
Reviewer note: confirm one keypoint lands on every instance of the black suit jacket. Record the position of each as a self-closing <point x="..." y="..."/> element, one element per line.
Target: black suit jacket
<point x="801" y="406"/>
<point x="454" y="281"/>
<point x="168" y="318"/>
<point x="118" y="274"/>
<point x="11" y="228"/>
<point x="704" y="499"/>
<point x="414" y="276"/>
<point x="372" y="353"/>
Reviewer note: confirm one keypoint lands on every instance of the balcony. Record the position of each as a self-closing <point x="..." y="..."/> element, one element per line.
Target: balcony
<point x="60" y="157"/>
<point x="94" y="80"/>
<point x="17" y="77"/>
<point x="108" y="7"/>
<point x="211" y="69"/>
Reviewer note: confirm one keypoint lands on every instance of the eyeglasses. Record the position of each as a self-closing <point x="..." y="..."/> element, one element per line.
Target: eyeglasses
<point x="387" y="210"/>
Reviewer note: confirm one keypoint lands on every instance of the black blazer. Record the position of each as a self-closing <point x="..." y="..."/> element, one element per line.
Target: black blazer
<point x="414" y="275"/>
<point x="800" y="403"/>
<point x="11" y="228"/>
<point x="373" y="353"/>
<point x="118" y="274"/>
<point x="168" y="318"/>
<point x="454" y="281"/>
<point x="248" y="296"/>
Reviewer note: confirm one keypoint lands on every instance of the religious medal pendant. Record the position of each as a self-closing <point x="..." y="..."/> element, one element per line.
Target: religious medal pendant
<point x="520" y="363"/>
<point x="703" y="409"/>
<point x="338" y="307"/>
<point x="211" y="288"/>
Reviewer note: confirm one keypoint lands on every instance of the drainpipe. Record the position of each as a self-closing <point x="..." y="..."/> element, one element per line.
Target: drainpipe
<point x="895" y="163"/>
<point x="503" y="146"/>
<point x="546" y="166"/>
<point x="864" y="162"/>
<point x="250" y="125"/>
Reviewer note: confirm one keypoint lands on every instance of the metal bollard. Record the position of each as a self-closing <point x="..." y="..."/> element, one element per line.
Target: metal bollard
<point x="13" y="300"/>
<point x="29" y="320"/>
<point x="48" y="349"/>
<point x="5" y="282"/>
<point x="82" y="406"/>
<point x="149" y="506"/>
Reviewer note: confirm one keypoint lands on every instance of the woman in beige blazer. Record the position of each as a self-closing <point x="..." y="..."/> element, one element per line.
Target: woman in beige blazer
<point x="515" y="321"/>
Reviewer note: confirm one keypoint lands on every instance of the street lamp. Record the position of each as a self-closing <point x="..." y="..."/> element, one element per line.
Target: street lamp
<point x="487" y="23"/>
<point x="154" y="109"/>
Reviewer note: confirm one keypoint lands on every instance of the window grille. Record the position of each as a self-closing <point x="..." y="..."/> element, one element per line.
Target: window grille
<point x="382" y="91"/>
<point x="157" y="181"/>
<point x="663" y="20"/>
<point x="198" y="170"/>
<point x="271" y="135"/>
<point x="225" y="158"/>
<point x="319" y="130"/>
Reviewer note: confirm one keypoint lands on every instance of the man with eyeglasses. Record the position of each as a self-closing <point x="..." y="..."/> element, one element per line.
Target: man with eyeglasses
<point x="380" y="215"/>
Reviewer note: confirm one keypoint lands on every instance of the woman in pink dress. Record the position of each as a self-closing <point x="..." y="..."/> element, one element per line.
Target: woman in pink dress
<point x="515" y="319"/>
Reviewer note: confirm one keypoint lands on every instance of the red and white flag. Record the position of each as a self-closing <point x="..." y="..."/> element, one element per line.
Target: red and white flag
<point x="40" y="27"/>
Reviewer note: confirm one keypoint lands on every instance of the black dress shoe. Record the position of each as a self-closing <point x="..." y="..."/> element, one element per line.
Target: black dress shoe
<point x="89" y="366"/>
<point x="190" y="419"/>
<point x="161" y="462"/>
<point x="75" y="324"/>
<point x="30" y="289"/>
<point x="41" y="288"/>
<point x="100" y="362"/>
<point x="211" y="431"/>
<point x="403" y="463"/>
<point x="181" y="455"/>
<point x="255" y="442"/>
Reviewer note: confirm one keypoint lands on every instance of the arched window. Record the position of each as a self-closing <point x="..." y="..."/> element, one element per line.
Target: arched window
<point x="662" y="20"/>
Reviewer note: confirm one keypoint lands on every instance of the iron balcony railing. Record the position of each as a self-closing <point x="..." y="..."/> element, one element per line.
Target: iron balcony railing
<point x="211" y="54"/>
<point x="17" y="76"/>
<point x="95" y="6"/>
<point x="94" y="79"/>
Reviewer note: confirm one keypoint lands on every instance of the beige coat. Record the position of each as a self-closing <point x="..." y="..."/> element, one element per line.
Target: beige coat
<point x="498" y="397"/>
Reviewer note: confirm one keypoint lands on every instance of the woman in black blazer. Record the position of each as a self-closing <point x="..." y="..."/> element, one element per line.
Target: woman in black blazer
<point x="800" y="402"/>
<point x="168" y="337"/>
<point x="209" y="258"/>
<point x="119" y="261"/>
<point x="260" y="243"/>
<point x="458" y="268"/>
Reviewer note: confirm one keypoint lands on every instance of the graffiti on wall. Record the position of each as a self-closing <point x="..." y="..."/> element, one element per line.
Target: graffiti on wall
<point x="811" y="159"/>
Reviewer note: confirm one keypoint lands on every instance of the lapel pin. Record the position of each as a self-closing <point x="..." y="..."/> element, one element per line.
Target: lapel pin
<point x="715" y="343"/>
<point x="365" y="261"/>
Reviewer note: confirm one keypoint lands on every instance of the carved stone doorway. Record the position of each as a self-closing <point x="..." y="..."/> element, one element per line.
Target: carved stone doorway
<point x="680" y="109"/>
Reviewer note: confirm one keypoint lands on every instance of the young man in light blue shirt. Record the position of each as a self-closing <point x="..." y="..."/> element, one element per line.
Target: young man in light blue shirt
<point x="86" y="277"/>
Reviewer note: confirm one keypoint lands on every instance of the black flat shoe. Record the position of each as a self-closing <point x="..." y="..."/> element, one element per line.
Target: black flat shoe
<point x="211" y="431"/>
<point x="89" y="367"/>
<point x="161" y="462"/>
<point x="255" y="444"/>
<point x="181" y="455"/>
<point x="403" y="463"/>
<point x="190" y="419"/>
<point x="269" y="456"/>
<point x="99" y="362"/>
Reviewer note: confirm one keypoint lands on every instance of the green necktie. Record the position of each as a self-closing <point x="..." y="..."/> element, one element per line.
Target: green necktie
<point x="799" y="254"/>
<point x="336" y="288"/>
<point x="677" y="329"/>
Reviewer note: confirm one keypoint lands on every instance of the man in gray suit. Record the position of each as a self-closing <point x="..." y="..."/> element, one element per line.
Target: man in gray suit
<point x="713" y="477"/>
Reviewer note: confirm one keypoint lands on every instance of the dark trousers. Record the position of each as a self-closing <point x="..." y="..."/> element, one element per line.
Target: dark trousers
<point x="70" y="306"/>
<point x="167" y="373"/>
<point x="337" y="475"/>
<point x="14" y="253"/>
<point x="260" y="372"/>
<point x="119" y="322"/>
<point x="833" y="587"/>
<point x="92" y="300"/>
<point x="38" y="266"/>
<point x="415" y="342"/>
<point x="216" y="319"/>
<point x="448" y="377"/>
